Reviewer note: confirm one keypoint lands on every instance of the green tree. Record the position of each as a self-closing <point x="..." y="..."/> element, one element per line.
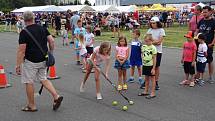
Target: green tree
<point x="39" y="2"/>
<point x="87" y="2"/>
<point x="77" y="2"/>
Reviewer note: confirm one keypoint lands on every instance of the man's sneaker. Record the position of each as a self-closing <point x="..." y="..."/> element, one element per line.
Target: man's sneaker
<point x="119" y="88"/>
<point x="131" y="80"/>
<point x="210" y="81"/>
<point x="141" y="81"/>
<point x="99" y="96"/>
<point x="192" y="84"/>
<point x="82" y="87"/>
<point x="125" y="87"/>
<point x="184" y="82"/>
<point x="157" y="86"/>
<point x="142" y="86"/>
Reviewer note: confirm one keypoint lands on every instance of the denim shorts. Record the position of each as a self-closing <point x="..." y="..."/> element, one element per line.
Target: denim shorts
<point x="125" y="65"/>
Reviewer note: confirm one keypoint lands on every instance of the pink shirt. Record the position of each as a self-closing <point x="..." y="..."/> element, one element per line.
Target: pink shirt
<point x="193" y="24"/>
<point x="189" y="49"/>
<point x="99" y="57"/>
<point x="121" y="51"/>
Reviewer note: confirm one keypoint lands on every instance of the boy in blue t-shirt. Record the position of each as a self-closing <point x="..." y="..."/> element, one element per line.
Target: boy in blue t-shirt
<point x="79" y="30"/>
<point x="135" y="57"/>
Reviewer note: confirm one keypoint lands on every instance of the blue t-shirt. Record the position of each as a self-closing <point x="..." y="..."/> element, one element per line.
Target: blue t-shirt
<point x="135" y="56"/>
<point x="80" y="30"/>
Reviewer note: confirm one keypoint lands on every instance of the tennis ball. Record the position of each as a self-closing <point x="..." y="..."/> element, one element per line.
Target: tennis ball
<point x="114" y="103"/>
<point x="131" y="102"/>
<point x="125" y="108"/>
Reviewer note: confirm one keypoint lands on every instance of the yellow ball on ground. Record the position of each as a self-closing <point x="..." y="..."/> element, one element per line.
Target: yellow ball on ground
<point x="114" y="103"/>
<point x="125" y="108"/>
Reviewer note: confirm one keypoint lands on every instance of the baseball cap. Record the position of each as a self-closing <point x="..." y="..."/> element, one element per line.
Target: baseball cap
<point x="200" y="36"/>
<point x="155" y="19"/>
<point x="189" y="34"/>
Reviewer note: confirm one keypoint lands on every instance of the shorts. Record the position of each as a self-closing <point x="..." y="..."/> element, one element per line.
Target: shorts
<point x="124" y="66"/>
<point x="210" y="55"/>
<point x="137" y="63"/>
<point x="158" y="59"/>
<point x="146" y="70"/>
<point x="116" y="26"/>
<point x="200" y="67"/>
<point x="89" y="50"/>
<point x="188" y="68"/>
<point x="77" y="52"/>
<point x="33" y="72"/>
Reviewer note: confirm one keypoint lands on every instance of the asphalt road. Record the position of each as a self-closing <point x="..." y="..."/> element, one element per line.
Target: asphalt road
<point x="173" y="102"/>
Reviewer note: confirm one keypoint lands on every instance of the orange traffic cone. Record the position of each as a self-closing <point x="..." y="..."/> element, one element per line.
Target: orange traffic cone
<point x="52" y="73"/>
<point x="3" y="78"/>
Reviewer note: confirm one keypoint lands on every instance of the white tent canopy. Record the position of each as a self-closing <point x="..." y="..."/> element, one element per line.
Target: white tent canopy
<point x="47" y="8"/>
<point x="105" y="8"/>
<point x="80" y="8"/>
<point x="53" y="9"/>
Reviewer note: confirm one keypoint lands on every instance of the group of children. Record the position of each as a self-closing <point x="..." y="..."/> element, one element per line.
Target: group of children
<point x="194" y="54"/>
<point x="141" y="54"/>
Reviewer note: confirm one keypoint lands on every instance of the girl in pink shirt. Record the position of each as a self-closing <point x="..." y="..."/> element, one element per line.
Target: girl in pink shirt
<point x="188" y="59"/>
<point x="101" y="53"/>
<point x="121" y="63"/>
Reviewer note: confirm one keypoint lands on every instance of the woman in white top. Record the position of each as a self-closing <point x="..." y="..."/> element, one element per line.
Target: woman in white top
<point x="158" y="35"/>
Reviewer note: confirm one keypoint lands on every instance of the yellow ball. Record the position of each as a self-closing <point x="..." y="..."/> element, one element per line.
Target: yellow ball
<point x="125" y="108"/>
<point x="114" y="103"/>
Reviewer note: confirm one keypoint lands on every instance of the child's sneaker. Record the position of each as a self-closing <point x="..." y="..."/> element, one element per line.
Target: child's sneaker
<point x="184" y="82"/>
<point x="125" y="86"/>
<point x="157" y="86"/>
<point x="99" y="96"/>
<point x="200" y="82"/>
<point x="131" y="80"/>
<point x="192" y="84"/>
<point x="141" y="81"/>
<point x="119" y="88"/>
<point x="142" y="86"/>
<point x="210" y="80"/>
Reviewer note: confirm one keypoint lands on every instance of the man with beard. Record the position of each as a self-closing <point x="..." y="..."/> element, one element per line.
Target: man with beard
<point x="206" y="26"/>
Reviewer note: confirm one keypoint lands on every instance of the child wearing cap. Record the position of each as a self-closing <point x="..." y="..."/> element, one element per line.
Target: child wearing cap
<point x="188" y="59"/>
<point x="201" y="58"/>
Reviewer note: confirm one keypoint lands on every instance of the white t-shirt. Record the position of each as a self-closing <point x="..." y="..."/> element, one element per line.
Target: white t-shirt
<point x="83" y="49"/>
<point x="201" y="50"/>
<point x="88" y="39"/>
<point x="156" y="34"/>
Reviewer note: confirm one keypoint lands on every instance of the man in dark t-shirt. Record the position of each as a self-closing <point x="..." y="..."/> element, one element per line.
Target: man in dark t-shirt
<point x="206" y="26"/>
<point x="30" y="62"/>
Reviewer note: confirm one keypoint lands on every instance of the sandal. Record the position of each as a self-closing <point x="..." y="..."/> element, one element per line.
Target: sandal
<point x="150" y="97"/>
<point x="57" y="103"/>
<point x="143" y="94"/>
<point x="29" y="109"/>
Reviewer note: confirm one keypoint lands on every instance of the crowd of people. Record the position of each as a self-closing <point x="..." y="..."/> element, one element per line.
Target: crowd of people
<point x="145" y="54"/>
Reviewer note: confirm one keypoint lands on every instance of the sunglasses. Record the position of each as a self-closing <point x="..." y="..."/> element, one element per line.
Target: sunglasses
<point x="153" y="23"/>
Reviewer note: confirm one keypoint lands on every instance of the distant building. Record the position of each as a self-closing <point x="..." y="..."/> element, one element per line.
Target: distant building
<point x="107" y="2"/>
